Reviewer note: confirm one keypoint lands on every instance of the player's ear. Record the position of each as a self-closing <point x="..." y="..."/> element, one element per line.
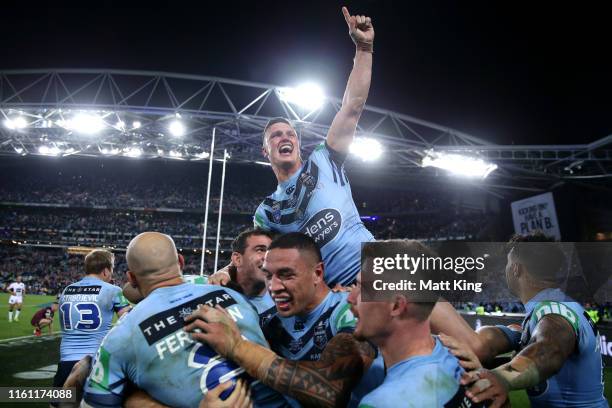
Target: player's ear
<point x="237" y="259"/>
<point x="181" y="261"/>
<point x="319" y="272"/>
<point x="399" y="306"/>
<point x="131" y="279"/>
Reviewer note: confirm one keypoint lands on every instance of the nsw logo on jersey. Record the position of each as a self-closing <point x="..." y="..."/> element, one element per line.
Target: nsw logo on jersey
<point x="323" y="226"/>
<point x="319" y="335"/>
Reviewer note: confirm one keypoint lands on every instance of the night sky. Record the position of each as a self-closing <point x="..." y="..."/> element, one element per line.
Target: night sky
<point x="503" y="71"/>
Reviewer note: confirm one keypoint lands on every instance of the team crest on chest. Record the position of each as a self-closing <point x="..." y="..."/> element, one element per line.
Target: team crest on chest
<point x="308" y="180"/>
<point x="276" y="211"/>
<point x="319" y="336"/>
<point x="296" y="345"/>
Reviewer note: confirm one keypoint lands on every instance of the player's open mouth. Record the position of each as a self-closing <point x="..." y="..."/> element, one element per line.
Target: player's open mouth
<point x="285" y="149"/>
<point x="282" y="302"/>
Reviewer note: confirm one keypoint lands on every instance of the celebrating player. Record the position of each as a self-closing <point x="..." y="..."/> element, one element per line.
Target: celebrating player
<point x="44" y="318"/>
<point x="149" y="348"/>
<point x="86" y="309"/>
<point x="248" y="250"/>
<point x="17" y="291"/>
<point x="558" y="358"/>
<point x="420" y="370"/>
<point x="314" y="197"/>
<point x="312" y="330"/>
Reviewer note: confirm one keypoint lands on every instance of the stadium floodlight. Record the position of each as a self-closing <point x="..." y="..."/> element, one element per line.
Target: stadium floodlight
<point x="176" y="155"/>
<point x="136" y="124"/>
<point x="458" y="164"/>
<point x="86" y="123"/>
<point x="160" y="152"/>
<point x="18" y="122"/>
<point x="49" y="151"/>
<point x="132" y="152"/>
<point x="308" y="95"/>
<point x="18" y="150"/>
<point x="176" y="128"/>
<point x="120" y="125"/>
<point x="367" y="149"/>
<point x="110" y="152"/>
<point x="203" y="155"/>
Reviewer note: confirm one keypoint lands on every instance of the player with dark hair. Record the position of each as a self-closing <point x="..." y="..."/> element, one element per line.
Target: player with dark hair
<point x="317" y="361"/>
<point x="248" y="251"/>
<point x="17" y="290"/>
<point x="314" y="196"/>
<point x="558" y="359"/>
<point x="86" y="309"/>
<point x="148" y="347"/>
<point x="44" y="318"/>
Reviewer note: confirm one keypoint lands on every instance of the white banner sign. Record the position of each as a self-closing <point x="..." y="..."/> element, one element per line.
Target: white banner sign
<point x="536" y="213"/>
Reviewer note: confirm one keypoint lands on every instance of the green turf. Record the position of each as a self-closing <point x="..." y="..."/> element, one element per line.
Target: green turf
<point x="31" y="304"/>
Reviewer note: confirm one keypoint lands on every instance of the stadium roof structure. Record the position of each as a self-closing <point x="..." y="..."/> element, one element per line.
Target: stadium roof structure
<point x="98" y="112"/>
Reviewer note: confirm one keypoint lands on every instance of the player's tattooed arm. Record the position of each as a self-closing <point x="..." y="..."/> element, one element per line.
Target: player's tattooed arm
<point x="327" y="382"/>
<point x="324" y="383"/>
<point x="552" y="342"/>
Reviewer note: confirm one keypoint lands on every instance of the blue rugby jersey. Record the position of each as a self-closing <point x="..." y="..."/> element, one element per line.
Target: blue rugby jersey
<point x="305" y="337"/>
<point x="422" y="381"/>
<point x="317" y="201"/>
<point x="266" y="308"/>
<point x="86" y="313"/>
<point x="579" y="383"/>
<point x="149" y="348"/>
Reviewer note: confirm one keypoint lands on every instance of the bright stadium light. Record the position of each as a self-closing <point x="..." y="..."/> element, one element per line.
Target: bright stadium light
<point x="120" y="125"/>
<point x="203" y="155"/>
<point x="176" y="128"/>
<point x="458" y="164"/>
<point x="308" y="95"/>
<point x="136" y="124"/>
<point x="86" y="123"/>
<point x="176" y="155"/>
<point x="132" y="152"/>
<point x="18" y="122"/>
<point x="50" y="151"/>
<point x="366" y="149"/>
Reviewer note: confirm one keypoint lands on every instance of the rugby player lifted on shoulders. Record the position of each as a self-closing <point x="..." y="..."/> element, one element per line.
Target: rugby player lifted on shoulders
<point x="314" y="196"/>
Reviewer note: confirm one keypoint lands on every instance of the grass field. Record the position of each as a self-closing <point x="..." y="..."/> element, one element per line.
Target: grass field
<point x="32" y="303"/>
<point x="36" y="357"/>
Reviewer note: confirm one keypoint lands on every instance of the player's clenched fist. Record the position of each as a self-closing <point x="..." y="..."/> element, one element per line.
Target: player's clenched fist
<point x="360" y="30"/>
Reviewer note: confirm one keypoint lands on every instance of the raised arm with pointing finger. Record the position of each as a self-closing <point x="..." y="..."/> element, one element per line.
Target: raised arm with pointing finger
<point x="343" y="127"/>
<point x="314" y="195"/>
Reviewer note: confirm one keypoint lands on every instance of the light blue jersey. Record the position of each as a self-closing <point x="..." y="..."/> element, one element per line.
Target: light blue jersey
<point x="305" y="337"/>
<point x="86" y="314"/>
<point x="266" y="308"/>
<point x="421" y="381"/>
<point x="149" y="348"/>
<point x="317" y="201"/>
<point x="579" y="383"/>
